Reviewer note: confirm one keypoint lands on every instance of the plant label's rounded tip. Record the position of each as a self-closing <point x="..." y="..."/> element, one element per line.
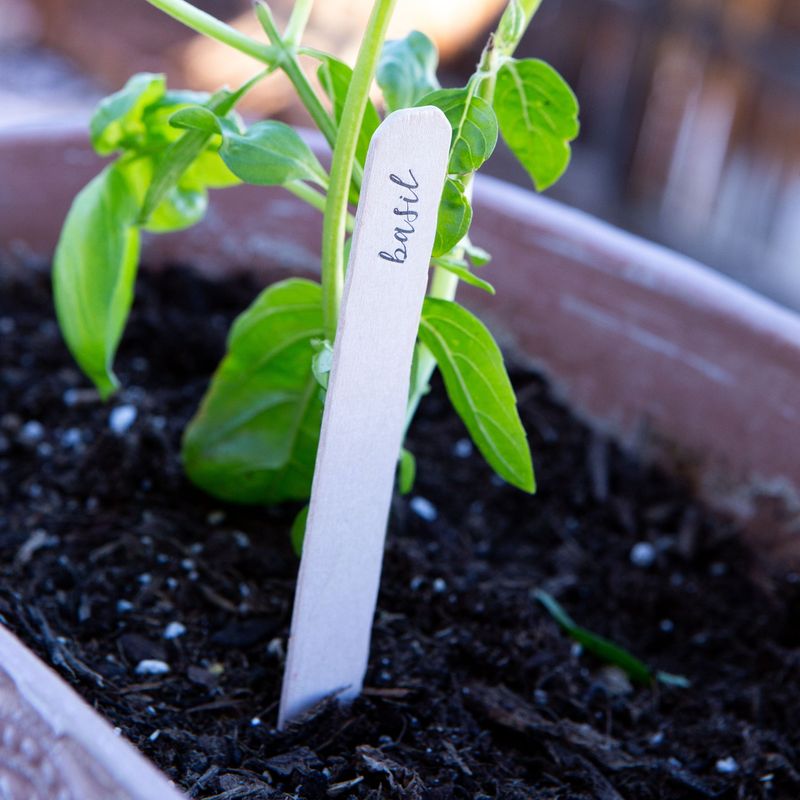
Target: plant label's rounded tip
<point x="421" y="121"/>
<point x="432" y="113"/>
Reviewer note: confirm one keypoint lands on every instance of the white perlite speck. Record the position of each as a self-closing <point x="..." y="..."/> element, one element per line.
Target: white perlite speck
<point x="32" y="432"/>
<point x="122" y="418"/>
<point x="38" y="539"/>
<point x="463" y="448"/>
<point x="152" y="666"/>
<point x="424" y="508"/>
<point x="44" y="450"/>
<point x="174" y="630"/>
<point x="727" y="766"/>
<point x="275" y="648"/>
<point x="643" y="554"/>
<point x="71" y="437"/>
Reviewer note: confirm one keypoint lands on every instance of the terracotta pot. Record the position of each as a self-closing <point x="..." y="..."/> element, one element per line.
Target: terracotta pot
<point x="666" y="355"/>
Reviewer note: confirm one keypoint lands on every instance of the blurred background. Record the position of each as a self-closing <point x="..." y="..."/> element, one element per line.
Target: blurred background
<point x="690" y="109"/>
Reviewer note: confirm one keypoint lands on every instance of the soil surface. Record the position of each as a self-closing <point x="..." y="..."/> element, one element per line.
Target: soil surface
<point x="110" y="558"/>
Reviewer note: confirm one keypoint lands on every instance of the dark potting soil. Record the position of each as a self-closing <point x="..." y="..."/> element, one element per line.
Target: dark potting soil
<point x="110" y="557"/>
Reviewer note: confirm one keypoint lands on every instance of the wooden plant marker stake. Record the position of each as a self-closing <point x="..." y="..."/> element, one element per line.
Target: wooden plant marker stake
<point x="365" y="410"/>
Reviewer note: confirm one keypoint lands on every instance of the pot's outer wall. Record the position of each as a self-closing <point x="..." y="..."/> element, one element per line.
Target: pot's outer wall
<point x="664" y="353"/>
<point x="52" y="745"/>
<point x="655" y="348"/>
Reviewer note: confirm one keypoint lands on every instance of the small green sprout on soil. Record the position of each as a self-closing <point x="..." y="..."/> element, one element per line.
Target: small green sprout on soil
<point x="605" y="649"/>
<point x="255" y="435"/>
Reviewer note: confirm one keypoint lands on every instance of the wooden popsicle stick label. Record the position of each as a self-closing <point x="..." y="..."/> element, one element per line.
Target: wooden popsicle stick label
<point x="365" y="410"/>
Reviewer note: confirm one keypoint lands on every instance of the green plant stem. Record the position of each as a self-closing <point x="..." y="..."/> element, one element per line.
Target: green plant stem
<point x="297" y="21"/>
<point x="210" y="26"/>
<point x="306" y="193"/>
<point x="309" y="98"/>
<point x="530" y="7"/>
<point x="288" y="62"/>
<point x="444" y="284"/>
<point x="316" y="199"/>
<point x="334" y="226"/>
<point x="312" y="52"/>
<point x="305" y="91"/>
<point x="225" y="104"/>
<point x="486" y="74"/>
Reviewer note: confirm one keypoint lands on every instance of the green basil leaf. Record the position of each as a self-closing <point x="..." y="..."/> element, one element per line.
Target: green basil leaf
<point x="191" y="163"/>
<point x="158" y="118"/>
<point x="179" y="98"/>
<point x="271" y="153"/>
<point x="94" y="271"/>
<point x="478" y="387"/>
<point x="407" y="70"/>
<point x="461" y="270"/>
<point x="322" y="362"/>
<point x="254" y="437"/>
<point x="181" y="207"/>
<point x="477" y="255"/>
<point x="538" y="115"/>
<point x="210" y="171"/>
<point x="118" y="123"/>
<point x="455" y="217"/>
<point x="407" y="472"/>
<point x="196" y="118"/>
<point x="474" y="127"/>
<point x="334" y="76"/>
<point x="172" y="164"/>
<point x="298" y="532"/>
